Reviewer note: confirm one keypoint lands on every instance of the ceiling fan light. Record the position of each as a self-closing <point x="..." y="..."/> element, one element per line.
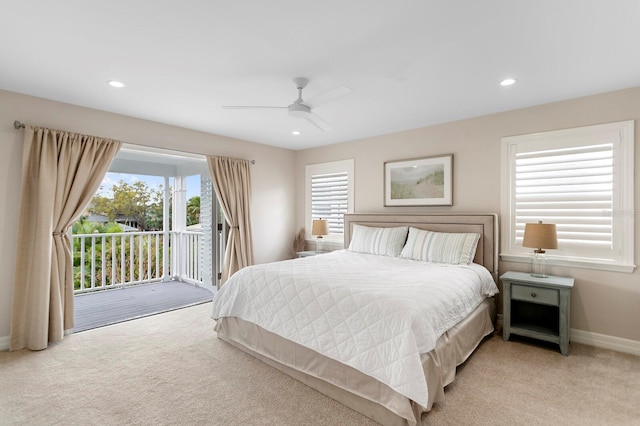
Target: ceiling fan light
<point x="298" y="109"/>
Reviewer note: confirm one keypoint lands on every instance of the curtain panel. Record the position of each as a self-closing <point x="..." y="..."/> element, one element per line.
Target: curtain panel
<point x="61" y="172"/>
<point x="232" y="183"/>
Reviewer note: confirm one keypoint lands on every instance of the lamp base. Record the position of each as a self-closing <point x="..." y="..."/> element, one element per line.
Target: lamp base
<point x="539" y="275"/>
<point x="539" y="264"/>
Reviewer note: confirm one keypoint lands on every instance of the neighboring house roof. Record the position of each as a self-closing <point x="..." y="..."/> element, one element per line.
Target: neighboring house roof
<point x="127" y="228"/>
<point x="102" y="219"/>
<point x="98" y="218"/>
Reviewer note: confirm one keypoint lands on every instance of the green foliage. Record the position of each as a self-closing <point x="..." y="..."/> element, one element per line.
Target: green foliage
<point x="193" y="210"/>
<point x="136" y="202"/>
<point x="147" y="266"/>
<point x="114" y="247"/>
<point x="83" y="227"/>
<point x="139" y="205"/>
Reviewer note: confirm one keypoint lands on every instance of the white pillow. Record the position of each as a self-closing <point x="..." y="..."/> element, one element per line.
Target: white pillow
<point x="383" y="241"/>
<point x="441" y="247"/>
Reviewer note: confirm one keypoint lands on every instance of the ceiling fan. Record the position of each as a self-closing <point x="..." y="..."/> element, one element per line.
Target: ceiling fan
<point x="303" y="109"/>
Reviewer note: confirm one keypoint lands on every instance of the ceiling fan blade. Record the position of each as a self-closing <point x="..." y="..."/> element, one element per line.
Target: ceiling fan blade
<point x="318" y="122"/>
<point x="328" y="96"/>
<point x="251" y="107"/>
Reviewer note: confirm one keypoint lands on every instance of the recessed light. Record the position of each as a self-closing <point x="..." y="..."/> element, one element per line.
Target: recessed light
<point x="508" y="82"/>
<point x="295" y="132"/>
<point x="115" y="83"/>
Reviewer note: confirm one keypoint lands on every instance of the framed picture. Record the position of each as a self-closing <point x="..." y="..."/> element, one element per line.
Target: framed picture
<point x="419" y="182"/>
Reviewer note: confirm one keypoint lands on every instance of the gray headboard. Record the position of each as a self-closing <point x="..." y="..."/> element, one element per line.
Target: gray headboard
<point x="484" y="224"/>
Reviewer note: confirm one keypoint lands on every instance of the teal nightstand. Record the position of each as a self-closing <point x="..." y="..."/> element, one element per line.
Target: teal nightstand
<point x="537" y="307"/>
<point x="310" y="253"/>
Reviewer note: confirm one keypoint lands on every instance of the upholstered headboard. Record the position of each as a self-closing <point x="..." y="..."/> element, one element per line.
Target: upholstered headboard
<point x="484" y="224"/>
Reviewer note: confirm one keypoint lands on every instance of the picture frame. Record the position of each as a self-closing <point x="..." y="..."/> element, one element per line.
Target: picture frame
<point x="424" y="181"/>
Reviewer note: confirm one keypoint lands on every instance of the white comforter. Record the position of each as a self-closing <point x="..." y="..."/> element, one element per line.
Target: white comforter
<point x="373" y="313"/>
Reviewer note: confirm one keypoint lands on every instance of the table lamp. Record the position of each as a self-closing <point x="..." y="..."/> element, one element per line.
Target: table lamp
<point x="540" y="236"/>
<point x="319" y="228"/>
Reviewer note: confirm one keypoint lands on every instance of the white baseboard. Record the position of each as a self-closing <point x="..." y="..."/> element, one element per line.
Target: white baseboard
<point x="605" y="341"/>
<point x="579" y="336"/>
<point x="4" y="343"/>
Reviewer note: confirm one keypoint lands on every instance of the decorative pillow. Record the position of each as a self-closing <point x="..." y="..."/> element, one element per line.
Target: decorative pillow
<point x="441" y="247"/>
<point x="383" y="241"/>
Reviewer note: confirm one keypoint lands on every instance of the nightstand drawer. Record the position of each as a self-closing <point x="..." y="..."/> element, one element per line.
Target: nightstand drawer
<point x="545" y="296"/>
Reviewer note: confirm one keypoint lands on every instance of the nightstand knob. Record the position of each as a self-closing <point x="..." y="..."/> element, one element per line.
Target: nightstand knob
<point x="533" y="295"/>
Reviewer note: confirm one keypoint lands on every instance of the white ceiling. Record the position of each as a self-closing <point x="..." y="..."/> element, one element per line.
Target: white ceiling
<point x="410" y="63"/>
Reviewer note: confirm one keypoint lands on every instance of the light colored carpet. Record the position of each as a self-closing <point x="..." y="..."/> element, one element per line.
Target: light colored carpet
<point x="170" y="369"/>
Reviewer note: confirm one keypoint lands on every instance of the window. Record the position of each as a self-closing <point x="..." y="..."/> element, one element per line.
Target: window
<point x="329" y="195"/>
<point x="580" y="179"/>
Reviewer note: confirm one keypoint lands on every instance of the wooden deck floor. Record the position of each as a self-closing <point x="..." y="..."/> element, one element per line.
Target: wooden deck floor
<point x="103" y="308"/>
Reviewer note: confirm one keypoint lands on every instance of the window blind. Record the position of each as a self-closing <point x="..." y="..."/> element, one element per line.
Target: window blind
<point x="580" y="179"/>
<point x="330" y="199"/>
<point x="571" y="187"/>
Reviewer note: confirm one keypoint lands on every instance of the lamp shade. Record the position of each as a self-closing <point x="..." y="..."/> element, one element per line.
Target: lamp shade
<point x="540" y="236"/>
<point x="319" y="227"/>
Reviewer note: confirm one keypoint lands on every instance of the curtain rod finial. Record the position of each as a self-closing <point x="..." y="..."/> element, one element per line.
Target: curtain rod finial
<point x="18" y="125"/>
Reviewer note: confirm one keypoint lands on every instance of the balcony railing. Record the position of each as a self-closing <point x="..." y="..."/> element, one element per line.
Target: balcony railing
<point x="105" y="261"/>
<point x="185" y="264"/>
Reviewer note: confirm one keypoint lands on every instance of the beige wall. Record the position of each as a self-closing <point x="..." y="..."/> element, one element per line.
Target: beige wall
<point x="602" y="302"/>
<point x="273" y="201"/>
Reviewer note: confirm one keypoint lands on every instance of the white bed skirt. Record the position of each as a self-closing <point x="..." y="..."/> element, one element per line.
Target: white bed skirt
<point x="353" y="388"/>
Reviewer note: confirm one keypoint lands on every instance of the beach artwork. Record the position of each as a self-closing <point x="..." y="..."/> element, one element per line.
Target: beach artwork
<point x="425" y="181"/>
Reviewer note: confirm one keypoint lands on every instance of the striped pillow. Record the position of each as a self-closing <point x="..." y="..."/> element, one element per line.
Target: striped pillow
<point x="383" y="241"/>
<point x="441" y="247"/>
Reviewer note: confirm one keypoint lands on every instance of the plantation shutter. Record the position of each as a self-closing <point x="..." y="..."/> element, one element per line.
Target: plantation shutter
<point x="571" y="187"/>
<point x="580" y="179"/>
<point x="329" y="199"/>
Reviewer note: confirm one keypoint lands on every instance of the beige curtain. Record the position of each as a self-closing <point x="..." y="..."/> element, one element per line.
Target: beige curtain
<point x="232" y="183"/>
<point x="60" y="173"/>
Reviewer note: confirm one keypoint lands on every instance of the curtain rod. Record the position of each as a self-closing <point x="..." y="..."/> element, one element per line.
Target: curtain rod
<point x="19" y="125"/>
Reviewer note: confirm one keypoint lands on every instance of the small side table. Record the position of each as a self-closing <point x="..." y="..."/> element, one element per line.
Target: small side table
<point x="310" y="253"/>
<point x="537" y="307"/>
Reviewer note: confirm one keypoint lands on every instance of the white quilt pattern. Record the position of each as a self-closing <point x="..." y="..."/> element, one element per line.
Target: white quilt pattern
<point x="373" y="313"/>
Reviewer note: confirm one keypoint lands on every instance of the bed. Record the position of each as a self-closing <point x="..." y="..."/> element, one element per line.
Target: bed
<point x="353" y="324"/>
